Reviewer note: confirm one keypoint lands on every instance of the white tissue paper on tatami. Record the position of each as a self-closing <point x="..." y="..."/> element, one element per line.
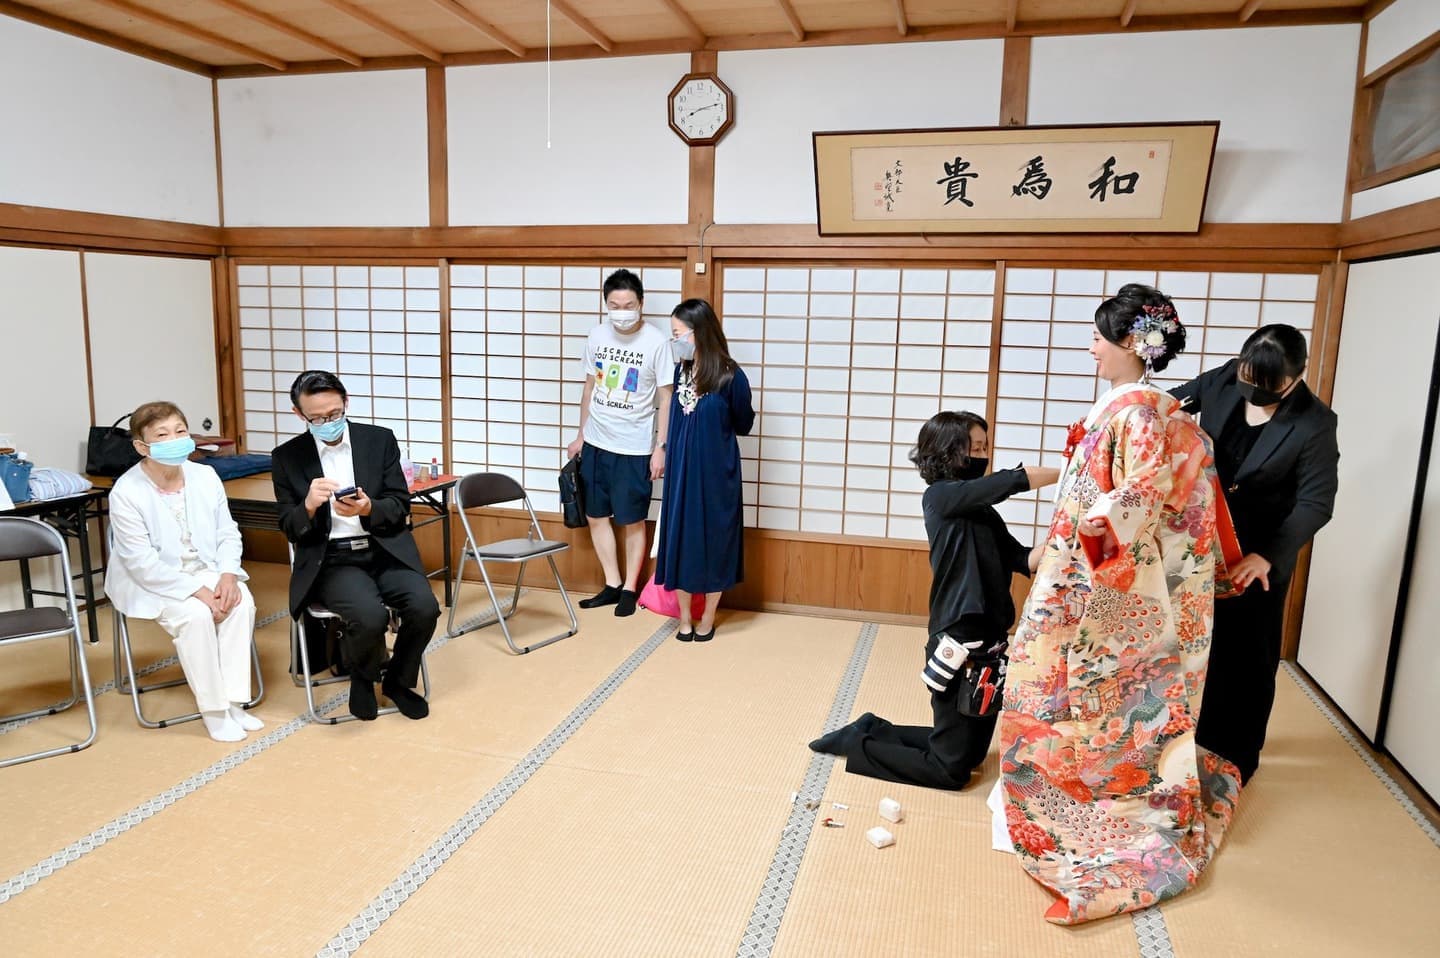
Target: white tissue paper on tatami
<point x="999" y="831"/>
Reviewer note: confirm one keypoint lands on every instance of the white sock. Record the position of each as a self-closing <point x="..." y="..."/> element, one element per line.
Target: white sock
<point x="222" y="727"/>
<point x="244" y="719"/>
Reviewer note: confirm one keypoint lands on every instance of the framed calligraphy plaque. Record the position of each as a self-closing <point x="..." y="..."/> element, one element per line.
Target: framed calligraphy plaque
<point x="1128" y="178"/>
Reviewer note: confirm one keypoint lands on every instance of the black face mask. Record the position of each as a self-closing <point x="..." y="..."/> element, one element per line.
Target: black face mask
<point x="974" y="469"/>
<point x="1256" y="396"/>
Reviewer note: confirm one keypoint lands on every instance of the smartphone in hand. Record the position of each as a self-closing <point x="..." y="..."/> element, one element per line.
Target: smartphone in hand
<point x="349" y="492"/>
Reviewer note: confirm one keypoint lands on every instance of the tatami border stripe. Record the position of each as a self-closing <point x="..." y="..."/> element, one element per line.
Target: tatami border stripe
<point x="373" y="915"/>
<point x="1151" y="933"/>
<point x="774" y="895"/>
<point x="151" y="669"/>
<point x="1363" y="750"/>
<point x="153" y="806"/>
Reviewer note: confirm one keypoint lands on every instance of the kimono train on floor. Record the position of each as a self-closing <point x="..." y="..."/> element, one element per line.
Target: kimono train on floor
<point x="1109" y="802"/>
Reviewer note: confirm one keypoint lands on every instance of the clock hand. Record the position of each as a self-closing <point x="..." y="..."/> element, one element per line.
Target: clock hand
<point x="709" y="106"/>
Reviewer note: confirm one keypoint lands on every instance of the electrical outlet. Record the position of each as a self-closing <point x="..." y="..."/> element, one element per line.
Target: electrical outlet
<point x="699" y="269"/>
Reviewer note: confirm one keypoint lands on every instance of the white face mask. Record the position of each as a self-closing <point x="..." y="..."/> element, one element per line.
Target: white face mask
<point x="624" y="318"/>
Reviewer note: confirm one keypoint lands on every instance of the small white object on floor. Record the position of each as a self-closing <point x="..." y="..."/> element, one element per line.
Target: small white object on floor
<point x="879" y="837"/>
<point x="890" y="810"/>
<point x="841" y="805"/>
<point x="999" y="829"/>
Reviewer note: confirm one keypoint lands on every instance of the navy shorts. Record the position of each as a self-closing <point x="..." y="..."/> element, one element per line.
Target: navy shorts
<point x="615" y="485"/>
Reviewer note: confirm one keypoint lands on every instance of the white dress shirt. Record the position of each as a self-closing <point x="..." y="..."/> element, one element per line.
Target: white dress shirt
<point x="338" y="464"/>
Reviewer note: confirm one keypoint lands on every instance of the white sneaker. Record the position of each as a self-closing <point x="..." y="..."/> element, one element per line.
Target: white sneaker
<point x="244" y="719"/>
<point x="222" y="727"/>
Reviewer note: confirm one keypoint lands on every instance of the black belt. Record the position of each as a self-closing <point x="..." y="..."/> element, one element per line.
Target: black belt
<point x="351" y="544"/>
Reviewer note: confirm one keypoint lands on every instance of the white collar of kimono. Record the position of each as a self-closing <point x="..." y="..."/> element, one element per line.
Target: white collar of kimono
<point x="1110" y="396"/>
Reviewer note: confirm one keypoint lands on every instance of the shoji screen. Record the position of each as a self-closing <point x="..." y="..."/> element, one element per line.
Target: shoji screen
<point x="1382" y="379"/>
<point x="847" y="364"/>
<point x="517" y="344"/>
<point x="378" y="327"/>
<point x="1047" y="377"/>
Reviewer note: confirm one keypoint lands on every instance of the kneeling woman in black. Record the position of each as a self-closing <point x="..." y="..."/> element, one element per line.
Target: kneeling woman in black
<point x="972" y="556"/>
<point x="1276" y="455"/>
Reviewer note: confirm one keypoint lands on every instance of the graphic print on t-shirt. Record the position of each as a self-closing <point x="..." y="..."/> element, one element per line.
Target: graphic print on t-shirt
<point x="617" y="376"/>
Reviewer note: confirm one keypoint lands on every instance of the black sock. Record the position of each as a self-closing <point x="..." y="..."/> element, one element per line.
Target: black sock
<point x="626" y="604"/>
<point x="606" y="596"/>
<point x="362" y="699"/>
<point x="837" y="742"/>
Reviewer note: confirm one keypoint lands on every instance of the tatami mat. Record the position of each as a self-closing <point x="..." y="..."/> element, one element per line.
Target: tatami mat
<point x="648" y="829"/>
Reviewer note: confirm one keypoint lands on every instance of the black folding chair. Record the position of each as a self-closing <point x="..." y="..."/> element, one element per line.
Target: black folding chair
<point x="494" y="488"/>
<point x="20" y="541"/>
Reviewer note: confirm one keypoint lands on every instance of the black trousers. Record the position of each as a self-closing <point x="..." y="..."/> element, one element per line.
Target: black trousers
<point x="1240" y="684"/>
<point x="357" y="586"/>
<point x="940" y="756"/>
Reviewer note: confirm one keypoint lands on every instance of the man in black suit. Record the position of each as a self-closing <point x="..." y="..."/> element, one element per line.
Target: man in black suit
<point x="354" y="553"/>
<point x="1277" y="458"/>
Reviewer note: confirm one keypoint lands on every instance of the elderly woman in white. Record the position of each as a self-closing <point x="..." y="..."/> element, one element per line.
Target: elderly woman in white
<point x="175" y="558"/>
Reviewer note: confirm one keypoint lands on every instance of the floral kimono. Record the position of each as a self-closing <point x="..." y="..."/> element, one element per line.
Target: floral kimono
<point x="1108" y="800"/>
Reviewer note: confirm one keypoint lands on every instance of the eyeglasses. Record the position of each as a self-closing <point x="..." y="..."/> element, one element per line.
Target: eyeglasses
<point x="323" y="420"/>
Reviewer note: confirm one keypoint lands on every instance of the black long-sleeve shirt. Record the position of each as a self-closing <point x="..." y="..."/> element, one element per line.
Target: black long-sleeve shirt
<point x="972" y="554"/>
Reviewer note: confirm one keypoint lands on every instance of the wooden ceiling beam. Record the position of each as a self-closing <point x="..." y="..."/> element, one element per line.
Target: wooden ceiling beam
<point x="901" y="24"/>
<point x="586" y="27"/>
<point x="1248" y="11"/>
<point x="194" y="33"/>
<point x="484" y="26"/>
<point x="389" y="29"/>
<point x="797" y="29"/>
<point x="1012" y="13"/>
<point x="113" y="40"/>
<point x="686" y="20"/>
<point x="1128" y="12"/>
<point x="294" y="32"/>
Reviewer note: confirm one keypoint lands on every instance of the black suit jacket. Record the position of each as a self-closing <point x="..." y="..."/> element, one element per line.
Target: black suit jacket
<point x="1284" y="491"/>
<point x="376" y="457"/>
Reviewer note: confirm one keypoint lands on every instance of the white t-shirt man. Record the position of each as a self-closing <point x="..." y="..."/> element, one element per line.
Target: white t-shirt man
<point x="627" y="369"/>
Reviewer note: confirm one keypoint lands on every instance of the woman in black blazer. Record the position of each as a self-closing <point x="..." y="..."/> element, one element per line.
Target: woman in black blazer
<point x="1276" y="455"/>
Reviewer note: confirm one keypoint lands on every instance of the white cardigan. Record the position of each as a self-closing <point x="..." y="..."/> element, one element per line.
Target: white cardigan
<point x="144" y="573"/>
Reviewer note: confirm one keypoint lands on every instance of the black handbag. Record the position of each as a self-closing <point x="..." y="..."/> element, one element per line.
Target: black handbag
<point x="109" y="451"/>
<point x="572" y="495"/>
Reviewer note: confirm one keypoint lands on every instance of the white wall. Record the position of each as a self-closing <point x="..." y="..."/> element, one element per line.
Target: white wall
<point x="1412" y="189"/>
<point x="765" y="166"/>
<point x="1397" y="28"/>
<point x="44" y="394"/>
<point x="611" y="155"/>
<point x="152" y="334"/>
<point x="346" y="149"/>
<point x="1381" y="384"/>
<point x="89" y="128"/>
<point x="1283" y="97"/>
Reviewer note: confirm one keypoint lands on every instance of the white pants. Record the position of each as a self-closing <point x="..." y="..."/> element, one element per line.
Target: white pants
<point x="215" y="658"/>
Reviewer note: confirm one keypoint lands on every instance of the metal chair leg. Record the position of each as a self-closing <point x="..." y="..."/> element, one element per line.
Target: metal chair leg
<point x="310" y="682"/>
<point x="129" y="682"/>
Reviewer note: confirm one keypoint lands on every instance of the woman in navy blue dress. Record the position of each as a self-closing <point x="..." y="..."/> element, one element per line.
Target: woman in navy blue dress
<point x="701" y="546"/>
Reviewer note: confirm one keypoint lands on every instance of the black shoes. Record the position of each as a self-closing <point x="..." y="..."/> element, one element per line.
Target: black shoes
<point x="705" y="636"/>
<point x="685" y="636"/>
<point x="362" y="699"/>
<point x="411" y="704"/>
<point x="606" y="596"/>
<point x="625" y="605"/>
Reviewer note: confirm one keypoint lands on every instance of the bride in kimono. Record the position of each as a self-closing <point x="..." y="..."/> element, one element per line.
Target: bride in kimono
<point x="1107" y="800"/>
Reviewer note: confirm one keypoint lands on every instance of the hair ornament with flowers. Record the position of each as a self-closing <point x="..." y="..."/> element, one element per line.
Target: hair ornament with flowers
<point x="1151" y="328"/>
